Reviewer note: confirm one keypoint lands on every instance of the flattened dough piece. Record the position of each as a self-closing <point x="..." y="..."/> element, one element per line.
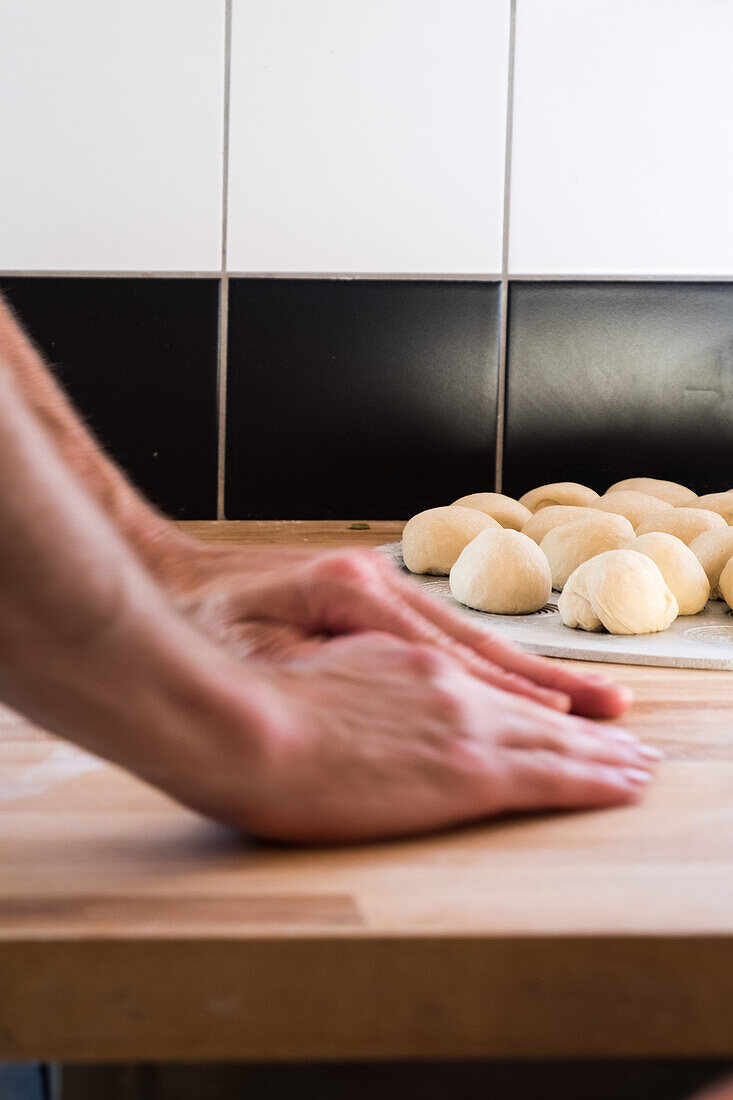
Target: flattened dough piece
<point x="635" y="506"/>
<point x="722" y="503"/>
<point x="685" y="523"/>
<point x="620" y="591"/>
<point x="433" y="539"/>
<point x="669" y="491"/>
<point x="680" y="568"/>
<point x="543" y="521"/>
<point x="568" y="546"/>
<point x="714" y="549"/>
<point x="505" y="510"/>
<point x="559" y="492"/>
<point x="503" y="572"/>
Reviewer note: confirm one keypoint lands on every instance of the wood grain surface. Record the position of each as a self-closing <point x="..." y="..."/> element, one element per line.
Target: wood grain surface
<point x="132" y="929"/>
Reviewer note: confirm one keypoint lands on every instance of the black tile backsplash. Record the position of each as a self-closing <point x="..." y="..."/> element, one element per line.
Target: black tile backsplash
<point x="139" y="359"/>
<point x="358" y="398"/>
<point x="377" y="398"/>
<point x="614" y="380"/>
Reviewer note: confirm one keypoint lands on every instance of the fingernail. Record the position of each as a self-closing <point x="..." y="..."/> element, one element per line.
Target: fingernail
<point x="623" y="735"/>
<point x="649" y="752"/>
<point x="636" y="775"/>
<point x="611" y="685"/>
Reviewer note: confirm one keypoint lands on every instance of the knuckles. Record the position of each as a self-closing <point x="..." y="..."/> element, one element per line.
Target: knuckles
<point x="347" y="567"/>
<point x="425" y="660"/>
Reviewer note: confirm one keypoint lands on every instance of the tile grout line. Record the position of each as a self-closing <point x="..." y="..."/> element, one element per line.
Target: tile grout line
<point x="76" y="273"/>
<point x="223" y="343"/>
<point x="693" y="279"/>
<point x="504" y="291"/>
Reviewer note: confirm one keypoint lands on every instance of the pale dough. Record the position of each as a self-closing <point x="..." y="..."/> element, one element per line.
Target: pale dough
<point x="505" y="510"/>
<point x="635" y="506"/>
<point x="568" y="546"/>
<point x="503" y="572"/>
<point x="543" y="521"/>
<point x="685" y="523"/>
<point x="680" y="568"/>
<point x="559" y="492"/>
<point x="714" y="549"/>
<point x="669" y="491"/>
<point x="722" y="503"/>
<point x="726" y="583"/>
<point x="622" y="591"/>
<point x="432" y="540"/>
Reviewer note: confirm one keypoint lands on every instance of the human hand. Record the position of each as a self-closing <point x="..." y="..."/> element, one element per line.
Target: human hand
<point x="297" y="596"/>
<point x="372" y="737"/>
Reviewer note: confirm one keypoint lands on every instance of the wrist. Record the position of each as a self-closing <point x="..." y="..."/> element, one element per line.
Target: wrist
<point x="150" y="694"/>
<point x="165" y="550"/>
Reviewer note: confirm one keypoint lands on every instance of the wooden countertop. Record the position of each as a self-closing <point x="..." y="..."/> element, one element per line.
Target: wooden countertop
<point x="131" y="929"/>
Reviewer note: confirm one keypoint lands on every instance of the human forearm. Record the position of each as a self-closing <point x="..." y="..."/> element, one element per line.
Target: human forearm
<point x="90" y="646"/>
<point x="153" y="537"/>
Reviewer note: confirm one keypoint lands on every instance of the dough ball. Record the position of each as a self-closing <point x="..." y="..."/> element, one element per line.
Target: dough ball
<point x="669" y="491"/>
<point x="635" y="506"/>
<point x="568" y="546"/>
<point x="722" y="503"/>
<point x="503" y="572"/>
<point x="680" y="568"/>
<point x="505" y="510"/>
<point x="432" y="540"/>
<point x="559" y="492"/>
<point x="620" y="591"/>
<point x="725" y="583"/>
<point x="543" y="521"/>
<point x="714" y="549"/>
<point x="685" y="523"/>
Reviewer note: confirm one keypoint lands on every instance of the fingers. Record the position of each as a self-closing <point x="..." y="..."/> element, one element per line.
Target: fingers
<point x="590" y="694"/>
<point x="540" y="780"/>
<point x="361" y="592"/>
<point x="397" y="617"/>
<point x="538" y="759"/>
<point x="583" y="741"/>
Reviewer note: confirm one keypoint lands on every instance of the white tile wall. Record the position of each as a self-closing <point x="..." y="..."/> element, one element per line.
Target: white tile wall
<point x="111" y="121"/>
<point x="367" y="136"/>
<point x="622" y="151"/>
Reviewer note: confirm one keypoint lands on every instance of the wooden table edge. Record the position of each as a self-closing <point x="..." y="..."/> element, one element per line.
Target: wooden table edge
<point x="331" y="998"/>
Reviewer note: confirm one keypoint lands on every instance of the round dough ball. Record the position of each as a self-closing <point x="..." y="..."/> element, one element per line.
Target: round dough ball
<point x="669" y="491"/>
<point x="725" y="583"/>
<point x="714" y="549"/>
<point x="505" y="510"/>
<point x="568" y="546"/>
<point x="635" y="506"/>
<point x="559" y="492"/>
<point x="680" y="568"/>
<point x="685" y="523"/>
<point x="432" y="540"/>
<point x="543" y="521"/>
<point x="503" y="572"/>
<point x="722" y="503"/>
<point x="620" y="591"/>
